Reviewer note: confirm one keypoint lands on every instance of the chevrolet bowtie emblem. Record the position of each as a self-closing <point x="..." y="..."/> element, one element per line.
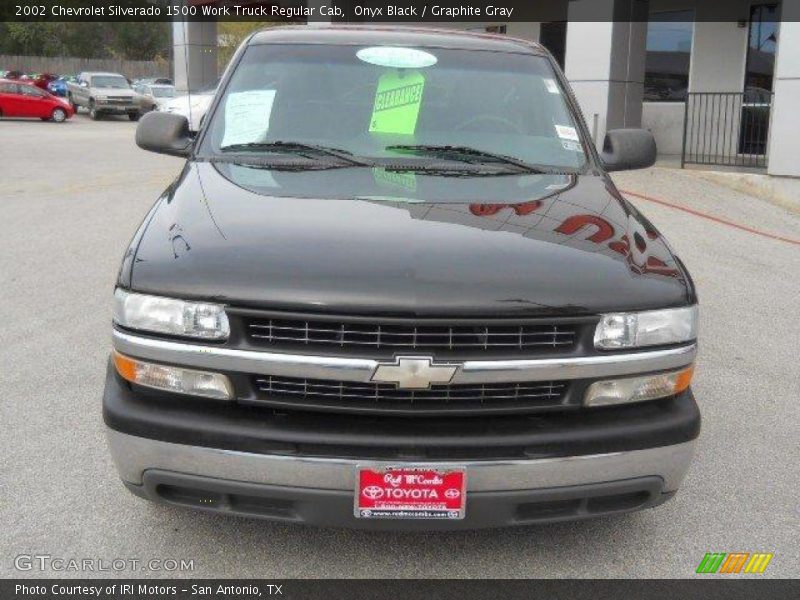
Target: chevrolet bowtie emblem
<point x="414" y="372"/>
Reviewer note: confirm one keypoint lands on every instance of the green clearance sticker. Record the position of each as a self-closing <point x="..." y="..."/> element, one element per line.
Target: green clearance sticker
<point x="406" y="181"/>
<point x="397" y="102"/>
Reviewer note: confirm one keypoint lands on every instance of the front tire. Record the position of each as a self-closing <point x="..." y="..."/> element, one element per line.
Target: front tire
<point x="59" y="115"/>
<point x="94" y="114"/>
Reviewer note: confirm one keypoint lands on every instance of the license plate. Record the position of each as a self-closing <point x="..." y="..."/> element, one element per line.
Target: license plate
<point x="411" y="493"/>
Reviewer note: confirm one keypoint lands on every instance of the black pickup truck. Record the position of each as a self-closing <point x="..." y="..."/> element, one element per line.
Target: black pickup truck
<point x="394" y="287"/>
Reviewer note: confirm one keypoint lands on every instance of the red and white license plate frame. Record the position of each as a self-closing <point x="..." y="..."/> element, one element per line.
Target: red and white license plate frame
<point x="410" y="492"/>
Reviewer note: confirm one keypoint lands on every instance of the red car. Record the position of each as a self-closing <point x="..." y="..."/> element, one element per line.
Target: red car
<point x="43" y="79"/>
<point x="24" y="99"/>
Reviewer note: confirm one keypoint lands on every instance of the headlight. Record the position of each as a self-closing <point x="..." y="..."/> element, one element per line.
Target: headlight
<point x="170" y="316"/>
<point x="638" y="389"/>
<point x="173" y="379"/>
<point x="650" y="328"/>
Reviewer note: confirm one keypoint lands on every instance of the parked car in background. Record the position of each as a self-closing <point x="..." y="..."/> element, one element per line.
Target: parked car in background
<point x="42" y="80"/>
<point x="104" y="94"/>
<point x="59" y="87"/>
<point x="192" y="106"/>
<point x="13" y="75"/>
<point x="153" y="96"/>
<point x="153" y="81"/>
<point x="24" y="99"/>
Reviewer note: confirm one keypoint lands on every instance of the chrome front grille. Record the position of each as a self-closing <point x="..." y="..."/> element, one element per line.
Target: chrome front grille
<point x="349" y="396"/>
<point x="394" y="337"/>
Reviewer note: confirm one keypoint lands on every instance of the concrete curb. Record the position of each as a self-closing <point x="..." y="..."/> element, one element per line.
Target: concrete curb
<point x="782" y="191"/>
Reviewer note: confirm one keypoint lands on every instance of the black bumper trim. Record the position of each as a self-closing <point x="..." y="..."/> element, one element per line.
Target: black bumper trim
<point x="334" y="508"/>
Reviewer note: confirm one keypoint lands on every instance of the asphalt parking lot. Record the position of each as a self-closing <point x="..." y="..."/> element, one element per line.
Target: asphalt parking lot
<point x="72" y="196"/>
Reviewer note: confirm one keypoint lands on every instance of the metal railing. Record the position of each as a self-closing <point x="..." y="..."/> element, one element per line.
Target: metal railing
<point x="727" y="129"/>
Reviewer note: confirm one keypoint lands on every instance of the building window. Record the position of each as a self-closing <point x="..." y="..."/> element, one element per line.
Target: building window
<point x="669" y="51"/>
<point x="763" y="43"/>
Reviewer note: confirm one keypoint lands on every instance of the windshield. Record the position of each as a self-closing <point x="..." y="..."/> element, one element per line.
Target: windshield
<point x="163" y="92"/>
<point x="109" y="81"/>
<point x="392" y="103"/>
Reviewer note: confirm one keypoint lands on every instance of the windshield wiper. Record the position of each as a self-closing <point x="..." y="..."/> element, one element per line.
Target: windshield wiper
<point x="297" y="148"/>
<point x="471" y="155"/>
<point x="273" y="164"/>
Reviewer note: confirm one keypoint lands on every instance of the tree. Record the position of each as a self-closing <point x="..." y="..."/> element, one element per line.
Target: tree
<point x="131" y="41"/>
<point x="139" y="41"/>
<point x="232" y="33"/>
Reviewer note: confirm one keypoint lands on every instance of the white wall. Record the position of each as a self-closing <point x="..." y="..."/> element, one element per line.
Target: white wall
<point x="665" y="121"/>
<point x="719" y="53"/>
<point x="784" y="152"/>
<point x="526" y="31"/>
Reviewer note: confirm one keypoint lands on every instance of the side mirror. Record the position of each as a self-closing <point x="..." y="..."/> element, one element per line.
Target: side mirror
<point x="164" y="133"/>
<point x="627" y="149"/>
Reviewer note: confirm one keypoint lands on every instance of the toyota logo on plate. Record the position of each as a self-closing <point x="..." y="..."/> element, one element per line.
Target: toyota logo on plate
<point x="452" y="493"/>
<point x="373" y="492"/>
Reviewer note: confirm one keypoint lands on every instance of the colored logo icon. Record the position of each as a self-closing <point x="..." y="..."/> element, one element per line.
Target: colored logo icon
<point x="734" y="562"/>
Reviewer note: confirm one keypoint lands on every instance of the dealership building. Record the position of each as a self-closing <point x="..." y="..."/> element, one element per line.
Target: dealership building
<point x="721" y="93"/>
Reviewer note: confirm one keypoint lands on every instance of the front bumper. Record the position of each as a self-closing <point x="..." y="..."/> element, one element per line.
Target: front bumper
<point x="242" y="461"/>
<point x="120" y="109"/>
<point x="320" y="491"/>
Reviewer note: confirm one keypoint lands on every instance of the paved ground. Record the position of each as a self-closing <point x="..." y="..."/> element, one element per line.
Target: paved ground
<point x="72" y="196"/>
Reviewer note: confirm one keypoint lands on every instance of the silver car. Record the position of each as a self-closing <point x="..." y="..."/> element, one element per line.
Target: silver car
<point x="153" y="96"/>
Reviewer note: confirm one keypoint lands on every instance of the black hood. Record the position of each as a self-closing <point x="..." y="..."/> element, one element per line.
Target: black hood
<point x="489" y="246"/>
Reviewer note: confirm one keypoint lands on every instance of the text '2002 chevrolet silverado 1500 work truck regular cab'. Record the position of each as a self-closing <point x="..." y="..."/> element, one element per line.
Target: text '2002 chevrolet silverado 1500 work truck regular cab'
<point x="393" y="286"/>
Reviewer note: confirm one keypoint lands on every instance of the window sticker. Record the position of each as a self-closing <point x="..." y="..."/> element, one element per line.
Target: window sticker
<point x="551" y="86"/>
<point x="567" y="133"/>
<point x="399" y="58"/>
<point x="247" y="116"/>
<point x="572" y="146"/>
<point x="397" y="102"/>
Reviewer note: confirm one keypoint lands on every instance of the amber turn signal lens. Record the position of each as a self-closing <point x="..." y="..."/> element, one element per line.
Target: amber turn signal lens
<point x="126" y="367"/>
<point x="684" y="379"/>
<point x="173" y="379"/>
<point x="638" y="389"/>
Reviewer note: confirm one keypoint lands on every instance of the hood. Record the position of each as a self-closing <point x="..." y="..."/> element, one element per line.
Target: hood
<point x="127" y="92"/>
<point x="569" y="245"/>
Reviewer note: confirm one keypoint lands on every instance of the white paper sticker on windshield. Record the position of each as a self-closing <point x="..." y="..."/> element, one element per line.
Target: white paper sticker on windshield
<point x="552" y="86"/>
<point x="247" y="116"/>
<point x="567" y="133"/>
<point x="399" y="58"/>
